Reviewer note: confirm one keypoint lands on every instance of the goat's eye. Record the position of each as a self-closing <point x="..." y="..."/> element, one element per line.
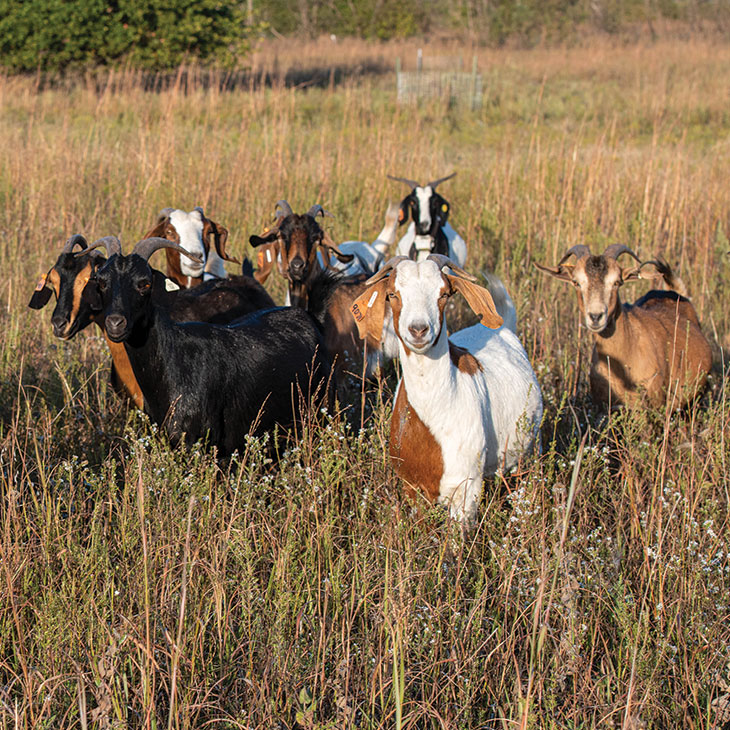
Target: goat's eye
<point x="143" y="285"/>
<point x="443" y="295"/>
<point x="101" y="284"/>
<point x="392" y="295"/>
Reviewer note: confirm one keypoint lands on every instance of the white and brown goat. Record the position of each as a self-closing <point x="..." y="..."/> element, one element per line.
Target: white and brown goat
<point x="202" y="237"/>
<point x="653" y="346"/>
<point x="466" y="405"/>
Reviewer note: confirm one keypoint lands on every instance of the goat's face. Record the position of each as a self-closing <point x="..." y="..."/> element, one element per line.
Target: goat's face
<point x="597" y="280"/>
<point x="429" y="210"/>
<point x="198" y="235"/>
<point x="124" y="285"/>
<point x="418" y="293"/>
<point x="69" y="281"/>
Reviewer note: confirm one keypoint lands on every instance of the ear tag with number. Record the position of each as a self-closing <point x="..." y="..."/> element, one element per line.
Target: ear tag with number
<point x="41" y="282"/>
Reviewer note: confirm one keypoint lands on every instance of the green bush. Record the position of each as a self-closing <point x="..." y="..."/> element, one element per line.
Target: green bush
<point x="53" y="35"/>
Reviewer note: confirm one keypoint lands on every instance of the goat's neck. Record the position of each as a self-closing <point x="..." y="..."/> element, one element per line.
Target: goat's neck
<point x="429" y="377"/>
<point x="616" y="338"/>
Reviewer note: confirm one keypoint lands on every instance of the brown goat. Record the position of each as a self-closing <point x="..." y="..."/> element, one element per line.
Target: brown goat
<point x="653" y="345"/>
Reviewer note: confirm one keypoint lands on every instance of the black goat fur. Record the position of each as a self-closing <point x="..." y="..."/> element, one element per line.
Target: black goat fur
<point x="211" y="381"/>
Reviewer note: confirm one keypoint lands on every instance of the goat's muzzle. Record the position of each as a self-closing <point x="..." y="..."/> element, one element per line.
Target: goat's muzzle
<point x="60" y="326"/>
<point x="116" y="327"/>
<point x="297" y="268"/>
<point x="596" y="322"/>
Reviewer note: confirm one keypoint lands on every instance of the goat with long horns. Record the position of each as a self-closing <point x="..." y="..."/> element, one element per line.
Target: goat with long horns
<point x="654" y="345"/>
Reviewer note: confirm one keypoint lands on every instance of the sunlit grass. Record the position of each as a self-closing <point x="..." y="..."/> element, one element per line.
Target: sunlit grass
<point x="595" y="591"/>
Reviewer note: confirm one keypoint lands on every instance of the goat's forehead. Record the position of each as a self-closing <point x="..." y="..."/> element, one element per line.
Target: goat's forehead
<point x="597" y="270"/>
<point x="423" y="196"/>
<point x="424" y="276"/>
<point x="186" y="221"/>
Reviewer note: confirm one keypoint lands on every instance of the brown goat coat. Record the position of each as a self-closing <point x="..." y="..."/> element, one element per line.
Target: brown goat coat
<point x="124" y="371"/>
<point x="668" y="350"/>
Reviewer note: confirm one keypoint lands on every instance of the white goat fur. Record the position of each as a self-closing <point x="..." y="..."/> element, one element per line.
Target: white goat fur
<point x="189" y="227"/>
<point x="483" y="421"/>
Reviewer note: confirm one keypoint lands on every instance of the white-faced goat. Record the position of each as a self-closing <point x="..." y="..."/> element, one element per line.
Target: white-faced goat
<point x="429" y="231"/>
<point x="200" y="236"/>
<point x="208" y="381"/>
<point x="466" y="405"/>
<point x="654" y="345"/>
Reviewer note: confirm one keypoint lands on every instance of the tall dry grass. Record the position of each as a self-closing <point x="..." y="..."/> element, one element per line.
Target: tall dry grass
<point x="145" y="587"/>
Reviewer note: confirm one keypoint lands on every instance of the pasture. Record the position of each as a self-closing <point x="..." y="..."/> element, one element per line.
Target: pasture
<point x="147" y="587"/>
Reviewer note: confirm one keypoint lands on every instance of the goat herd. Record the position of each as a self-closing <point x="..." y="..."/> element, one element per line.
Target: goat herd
<point x="209" y="355"/>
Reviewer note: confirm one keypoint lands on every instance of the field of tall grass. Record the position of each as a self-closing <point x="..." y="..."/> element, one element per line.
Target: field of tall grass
<point x="142" y="586"/>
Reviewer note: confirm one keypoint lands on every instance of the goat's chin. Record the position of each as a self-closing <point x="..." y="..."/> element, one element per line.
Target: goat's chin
<point x="117" y="337"/>
<point x="418" y="347"/>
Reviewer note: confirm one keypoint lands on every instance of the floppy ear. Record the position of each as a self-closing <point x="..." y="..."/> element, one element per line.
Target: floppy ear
<point x="563" y="272"/>
<point x="42" y="293"/>
<point x="216" y="234"/>
<point x="92" y="296"/>
<point x="479" y="299"/>
<point x="344" y="258"/>
<point x="268" y="237"/>
<point x="265" y="261"/>
<point x="635" y="273"/>
<point x="369" y="313"/>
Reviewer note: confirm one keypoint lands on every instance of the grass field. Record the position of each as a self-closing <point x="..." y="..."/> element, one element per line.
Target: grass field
<point x="145" y="587"/>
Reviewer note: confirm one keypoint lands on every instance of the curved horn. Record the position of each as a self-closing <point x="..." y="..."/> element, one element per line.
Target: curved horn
<point x="440" y="180"/>
<point x="443" y="261"/>
<point x="616" y="249"/>
<point x="111" y="244"/>
<point x="76" y="240"/>
<point x="164" y="213"/>
<point x="388" y="266"/>
<point x="579" y="251"/>
<point x="412" y="183"/>
<point x="317" y="209"/>
<point x="147" y="246"/>
<point x="282" y="209"/>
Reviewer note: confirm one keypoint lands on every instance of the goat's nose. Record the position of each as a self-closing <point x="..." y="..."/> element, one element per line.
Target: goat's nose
<point x="115" y="323"/>
<point x="595" y="318"/>
<point x="58" y="322"/>
<point x="418" y="330"/>
<point x="296" y="266"/>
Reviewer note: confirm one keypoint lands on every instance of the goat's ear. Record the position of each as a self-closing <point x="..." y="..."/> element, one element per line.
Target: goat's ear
<point x="635" y="273"/>
<point x="343" y="258"/>
<point x="404" y="210"/>
<point x="369" y="313"/>
<point x="442" y="209"/>
<point x="217" y="235"/>
<point x="563" y="272"/>
<point x="268" y="237"/>
<point x="42" y="293"/>
<point x="265" y="261"/>
<point x="479" y="299"/>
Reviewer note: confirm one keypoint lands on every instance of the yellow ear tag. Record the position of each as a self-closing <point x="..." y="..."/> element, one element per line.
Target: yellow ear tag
<point x="266" y="229"/>
<point x="444" y="207"/>
<point x="41" y="282"/>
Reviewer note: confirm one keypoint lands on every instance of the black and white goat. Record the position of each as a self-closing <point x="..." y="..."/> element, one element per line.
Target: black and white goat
<point x="429" y="231"/>
<point x="200" y="236"/>
<point x="466" y="405"/>
<point x="201" y="380"/>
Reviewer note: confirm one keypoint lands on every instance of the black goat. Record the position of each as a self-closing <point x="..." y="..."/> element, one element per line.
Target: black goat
<point x="70" y="278"/>
<point x="202" y="380"/>
<point x="429" y="231"/>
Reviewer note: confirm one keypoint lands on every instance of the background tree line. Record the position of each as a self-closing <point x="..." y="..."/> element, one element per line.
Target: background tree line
<point x="50" y="35"/>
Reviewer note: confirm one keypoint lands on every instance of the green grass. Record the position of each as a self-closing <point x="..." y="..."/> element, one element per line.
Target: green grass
<point x="146" y="587"/>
